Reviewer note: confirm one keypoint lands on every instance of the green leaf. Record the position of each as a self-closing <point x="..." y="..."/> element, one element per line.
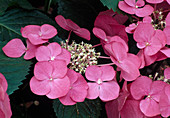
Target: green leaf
<point x="111" y="4"/>
<point x="13" y="20"/>
<point x="8" y="3"/>
<point x="86" y="109"/>
<point x="14" y="70"/>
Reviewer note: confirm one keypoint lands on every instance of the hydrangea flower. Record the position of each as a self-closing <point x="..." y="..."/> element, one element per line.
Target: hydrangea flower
<point x="15" y="48"/>
<point x="38" y="34"/>
<point x="50" y="79"/>
<point x="149" y="39"/>
<point x="5" y="109"/>
<point x="52" y="52"/>
<point x="103" y="85"/>
<point x="110" y="27"/>
<point x="167" y="73"/>
<point x="157" y="1"/>
<point x="133" y="7"/>
<point x="144" y="87"/>
<point x="128" y="63"/>
<point x="69" y="25"/>
<point x="78" y="89"/>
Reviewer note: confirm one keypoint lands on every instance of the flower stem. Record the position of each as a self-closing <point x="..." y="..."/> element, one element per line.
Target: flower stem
<point x="96" y="45"/>
<point x="109" y="64"/>
<point x="68" y="38"/>
<point x="103" y="57"/>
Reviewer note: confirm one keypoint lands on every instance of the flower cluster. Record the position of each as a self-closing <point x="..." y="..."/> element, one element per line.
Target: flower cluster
<point x="59" y="71"/>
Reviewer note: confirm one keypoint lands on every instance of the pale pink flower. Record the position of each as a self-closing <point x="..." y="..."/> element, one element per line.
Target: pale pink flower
<point x="50" y="79"/>
<point x="38" y="34"/>
<point x="103" y="85"/>
<point x="69" y="25"/>
<point x="52" y="52"/>
<point x="133" y="7"/>
<point x="78" y="89"/>
<point x="5" y="108"/>
<point x="15" y="48"/>
<point x="144" y="87"/>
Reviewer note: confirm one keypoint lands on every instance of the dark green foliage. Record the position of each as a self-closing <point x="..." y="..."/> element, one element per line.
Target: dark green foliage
<point x="14" y="70"/>
<point x="86" y="109"/>
<point x="11" y="3"/>
<point x="12" y="22"/>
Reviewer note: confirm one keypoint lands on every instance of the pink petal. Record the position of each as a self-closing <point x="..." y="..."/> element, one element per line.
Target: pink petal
<point x="166" y="31"/>
<point x="61" y="21"/>
<point x="82" y="32"/>
<point x="154" y="1"/>
<point x="112" y="109"/>
<point x="165" y="51"/>
<point x="59" y="68"/>
<point x="30" y="29"/>
<point x="93" y="91"/>
<point x="108" y="73"/>
<point x="156" y="89"/>
<point x="59" y="88"/>
<point x="131" y="28"/>
<point x="120" y="40"/>
<point x="36" y="39"/>
<point x="131" y="3"/>
<point x="126" y="8"/>
<point x="31" y="49"/>
<point x="64" y="55"/>
<point x="109" y="91"/>
<point x="14" y="48"/>
<point x="167" y="20"/>
<point x="147" y="19"/>
<point x="43" y="53"/>
<point x="39" y="87"/>
<point x="140" y="3"/>
<point x="143" y="32"/>
<point x="149" y="107"/>
<point x="99" y="33"/>
<point x="119" y="51"/>
<point x="131" y="110"/>
<point x="167" y="73"/>
<point x="141" y="57"/>
<point x="66" y="100"/>
<point x="93" y="73"/>
<point x="140" y="87"/>
<point x="48" y="31"/>
<point x="150" y="59"/>
<point x="154" y="47"/>
<point x="79" y="89"/>
<point x="73" y="26"/>
<point x="164" y="102"/>
<point x="160" y="35"/>
<point x="43" y="70"/>
<point x="55" y="49"/>
<point x="145" y="11"/>
<point x="72" y="75"/>
<point x="5" y="108"/>
<point x="3" y="87"/>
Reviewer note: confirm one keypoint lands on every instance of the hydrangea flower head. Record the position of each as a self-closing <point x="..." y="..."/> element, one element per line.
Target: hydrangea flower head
<point x="52" y="52"/>
<point x="15" y="48"/>
<point x="78" y="89"/>
<point x="50" y="79"/>
<point x="143" y="86"/>
<point x="133" y="7"/>
<point x="103" y="85"/>
<point x="38" y="34"/>
<point x="69" y="25"/>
